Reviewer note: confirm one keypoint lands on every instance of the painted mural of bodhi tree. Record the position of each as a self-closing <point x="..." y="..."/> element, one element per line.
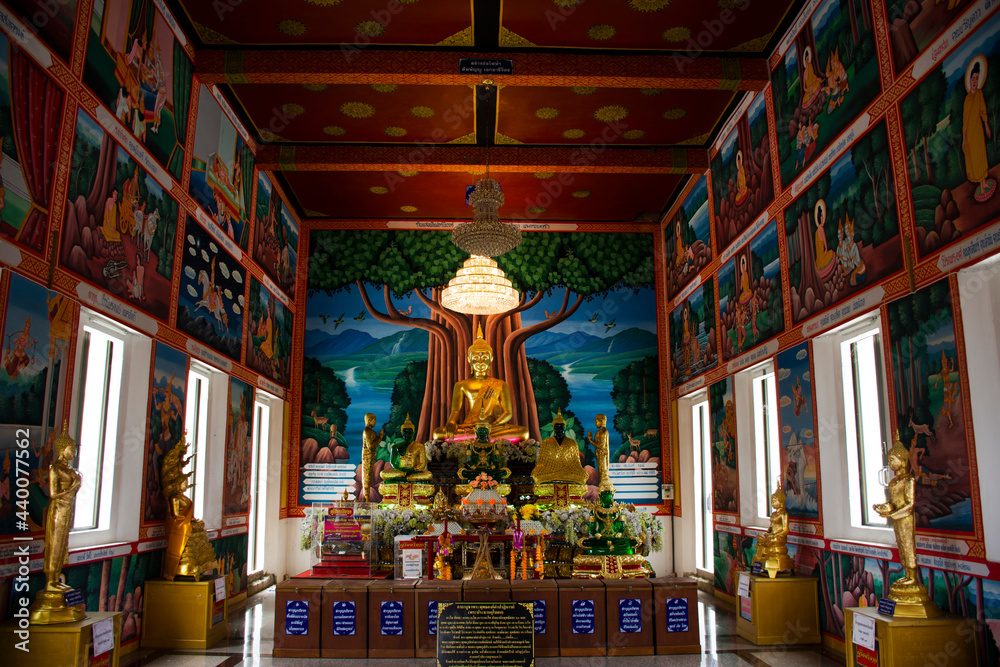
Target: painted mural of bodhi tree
<point x="580" y="265"/>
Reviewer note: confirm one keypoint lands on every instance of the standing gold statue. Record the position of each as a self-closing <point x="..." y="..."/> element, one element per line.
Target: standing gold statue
<point x="370" y="440"/>
<point x="50" y="602"/>
<point x="908" y="592"/>
<point x="772" y="547"/>
<point x="485" y="395"/>
<point x="602" y="450"/>
<point x="188" y="550"/>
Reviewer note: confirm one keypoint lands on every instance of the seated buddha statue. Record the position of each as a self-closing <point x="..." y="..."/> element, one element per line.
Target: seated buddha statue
<point x="610" y="552"/>
<point x="772" y="550"/>
<point x="484" y="396"/>
<point x="482" y="456"/>
<point x="409" y="458"/>
<point x="559" y="477"/>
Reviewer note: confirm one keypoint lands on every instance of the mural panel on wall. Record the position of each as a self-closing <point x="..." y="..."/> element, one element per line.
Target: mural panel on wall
<point x="269" y="334"/>
<point x="722" y="421"/>
<point x="751" y="297"/>
<point x="688" y="239"/>
<point x="120" y="228"/>
<point x="828" y="76"/>
<point x="742" y="179"/>
<point x="222" y="170"/>
<point x="796" y="416"/>
<point x="31" y="107"/>
<point x="138" y="69"/>
<point x="843" y="232"/>
<point x="692" y="335"/>
<point x="377" y="339"/>
<point x="52" y="21"/>
<point x="211" y="302"/>
<point x="239" y="431"/>
<point x="931" y="421"/>
<point x="950" y="125"/>
<point x="167" y="387"/>
<point x="276" y="237"/>
<point x="914" y="25"/>
<point x="231" y="561"/>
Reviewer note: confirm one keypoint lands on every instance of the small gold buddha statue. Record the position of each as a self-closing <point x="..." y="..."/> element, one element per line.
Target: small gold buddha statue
<point x="50" y="603"/>
<point x="559" y="477"/>
<point x="908" y="592"/>
<point x="409" y="458"/>
<point x="486" y="396"/>
<point x="370" y="440"/>
<point x="188" y="552"/>
<point x="772" y="550"/>
<point x="602" y="450"/>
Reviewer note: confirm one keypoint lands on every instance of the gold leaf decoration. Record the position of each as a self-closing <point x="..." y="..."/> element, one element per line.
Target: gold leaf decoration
<point x="753" y="45"/>
<point x="580" y="194"/>
<point x="502" y="138"/>
<point x="394" y="131"/>
<point x="460" y="38"/>
<point x="407" y="174"/>
<point x="324" y="3"/>
<point x="379" y="190"/>
<point x="634" y="134"/>
<point x="292" y="109"/>
<point x="512" y="39"/>
<point x="268" y="136"/>
<point x="422" y="112"/>
<point x="573" y="133"/>
<point x="584" y="90"/>
<point x="546" y="113"/>
<point x="406" y="208"/>
<point x="544" y="174"/>
<point x="674" y="114"/>
<point x="648" y="5"/>
<point x="566" y="4"/>
<point x="651" y="91"/>
<point x="464" y="139"/>
<point x="210" y="36"/>
<point x="696" y="141"/>
<point x="291" y="27"/>
<point x="678" y="34"/>
<point x="315" y="87"/>
<point x="357" y="110"/>
<point x="602" y="32"/>
<point x="334" y="130"/>
<point x="610" y="113"/>
<point x="384" y="87"/>
<point x="369" y="28"/>
<point x="535" y="210"/>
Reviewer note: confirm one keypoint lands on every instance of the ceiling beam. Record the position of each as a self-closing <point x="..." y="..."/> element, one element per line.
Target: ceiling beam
<point x="507" y="159"/>
<point x="352" y="65"/>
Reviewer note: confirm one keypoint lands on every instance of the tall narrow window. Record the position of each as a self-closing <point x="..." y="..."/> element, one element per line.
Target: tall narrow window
<point x="767" y="443"/>
<point x="99" y="389"/>
<point x="196" y="425"/>
<point x="702" y="446"/>
<point x="864" y="392"/>
<point x="258" y="486"/>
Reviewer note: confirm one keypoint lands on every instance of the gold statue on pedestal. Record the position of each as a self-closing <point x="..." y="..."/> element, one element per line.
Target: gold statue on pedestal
<point x="370" y="440"/>
<point x="409" y="458"/>
<point x="602" y="450"/>
<point x="559" y="476"/>
<point x="50" y="602"/>
<point x="188" y="550"/>
<point x="772" y="547"/>
<point x="908" y="593"/>
<point x="485" y="395"/>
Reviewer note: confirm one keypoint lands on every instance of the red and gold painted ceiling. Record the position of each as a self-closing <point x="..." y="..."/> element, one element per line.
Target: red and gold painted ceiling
<point x="605" y="108"/>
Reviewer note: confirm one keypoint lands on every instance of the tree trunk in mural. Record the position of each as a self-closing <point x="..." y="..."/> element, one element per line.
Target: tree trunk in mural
<point x="808" y="276"/>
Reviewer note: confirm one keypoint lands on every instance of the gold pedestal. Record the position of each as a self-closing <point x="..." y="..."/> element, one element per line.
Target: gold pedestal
<point x="944" y="640"/>
<point x="405" y="494"/>
<point x="63" y="644"/>
<point x="462" y="490"/>
<point x="634" y="566"/>
<point x="775" y="563"/>
<point x="559" y="495"/>
<point x="49" y="608"/>
<point x="482" y="568"/>
<point x="781" y="611"/>
<point x="182" y="614"/>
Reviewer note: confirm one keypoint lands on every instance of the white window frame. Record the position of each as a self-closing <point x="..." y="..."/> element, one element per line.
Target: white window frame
<point x="198" y="407"/>
<point x="766" y="437"/>
<point x="754" y="501"/>
<point x="835" y="437"/>
<point x="120" y="491"/>
<point x="702" y="458"/>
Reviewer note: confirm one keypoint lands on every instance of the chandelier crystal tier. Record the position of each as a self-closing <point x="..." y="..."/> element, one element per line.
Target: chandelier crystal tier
<point x="480" y="288"/>
<point x="486" y="235"/>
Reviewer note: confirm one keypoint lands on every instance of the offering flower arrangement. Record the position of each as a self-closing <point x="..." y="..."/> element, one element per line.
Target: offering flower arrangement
<point x="484" y="503"/>
<point x="572" y="523"/>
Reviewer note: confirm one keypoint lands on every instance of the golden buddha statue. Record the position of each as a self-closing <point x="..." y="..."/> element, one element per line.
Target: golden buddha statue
<point x="50" y="602"/>
<point x="409" y="458"/>
<point x="370" y="440"/>
<point x="908" y="592"/>
<point x="559" y="477"/>
<point x="484" y="395"/>
<point x="602" y="450"/>
<point x="188" y="551"/>
<point x="772" y="548"/>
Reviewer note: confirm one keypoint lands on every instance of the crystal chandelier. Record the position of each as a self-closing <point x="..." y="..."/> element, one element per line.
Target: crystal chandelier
<point x="480" y="288"/>
<point x="486" y="235"/>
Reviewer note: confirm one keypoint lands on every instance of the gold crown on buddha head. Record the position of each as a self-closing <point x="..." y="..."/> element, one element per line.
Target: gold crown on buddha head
<point x="480" y="344"/>
<point x="483" y="422"/>
<point x="407" y="424"/>
<point x="63" y="440"/>
<point x="558" y="419"/>
<point x="898" y="449"/>
<point x="779" y="493"/>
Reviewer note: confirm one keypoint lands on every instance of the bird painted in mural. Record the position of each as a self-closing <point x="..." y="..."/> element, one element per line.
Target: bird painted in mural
<point x="610" y="325"/>
<point x="324" y="318"/>
<point x="596" y="317"/>
<point x="337" y="322"/>
<point x="360" y="317"/>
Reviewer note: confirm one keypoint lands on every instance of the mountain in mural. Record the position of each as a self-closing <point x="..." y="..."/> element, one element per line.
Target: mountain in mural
<point x="549" y="343"/>
<point x="347" y="342"/>
<point x="603" y="357"/>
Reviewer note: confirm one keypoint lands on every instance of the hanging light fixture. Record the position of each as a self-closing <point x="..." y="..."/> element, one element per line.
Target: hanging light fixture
<point x="480" y="288"/>
<point x="486" y="235"/>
